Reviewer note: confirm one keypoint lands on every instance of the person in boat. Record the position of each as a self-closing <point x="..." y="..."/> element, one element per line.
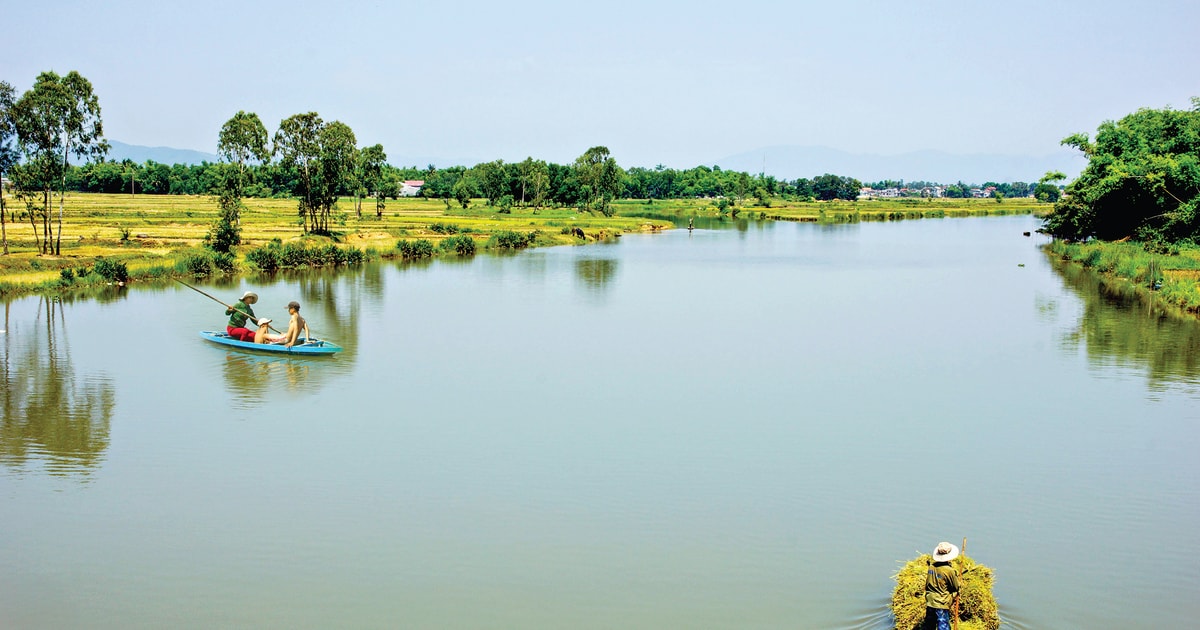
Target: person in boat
<point x="290" y="337"/>
<point x="238" y="313"/>
<point x="941" y="587"/>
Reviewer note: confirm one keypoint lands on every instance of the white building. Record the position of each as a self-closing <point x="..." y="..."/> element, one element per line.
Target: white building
<point x="411" y="187"/>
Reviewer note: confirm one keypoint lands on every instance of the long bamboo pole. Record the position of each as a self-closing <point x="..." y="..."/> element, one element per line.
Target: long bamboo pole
<point x="253" y="319"/>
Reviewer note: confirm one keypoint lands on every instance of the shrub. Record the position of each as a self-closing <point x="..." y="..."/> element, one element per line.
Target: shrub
<point x="112" y="271"/>
<point x="67" y="276"/>
<point x="420" y="248"/>
<point x="225" y="262"/>
<point x="266" y="258"/>
<point x="508" y="239"/>
<point x="444" y="228"/>
<point x="198" y="265"/>
<point x="462" y="245"/>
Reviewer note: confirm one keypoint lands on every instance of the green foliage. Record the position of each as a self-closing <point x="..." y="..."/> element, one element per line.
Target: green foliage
<point x="411" y="249"/>
<point x="110" y="270"/>
<point x="1142" y="180"/>
<point x="267" y="258"/>
<point x="508" y="239"/>
<point x="66" y="275"/>
<point x="198" y="265"/>
<point x="444" y="228"/>
<point x="274" y="256"/>
<point x="461" y="244"/>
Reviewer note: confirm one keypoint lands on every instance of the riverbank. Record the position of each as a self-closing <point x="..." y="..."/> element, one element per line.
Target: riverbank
<point x="112" y="238"/>
<point x="1170" y="279"/>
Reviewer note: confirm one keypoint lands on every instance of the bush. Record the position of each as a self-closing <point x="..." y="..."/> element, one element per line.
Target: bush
<point x="67" y="276"/>
<point x="444" y="228"/>
<point x="266" y="258"/>
<point x="112" y="271"/>
<point x="508" y="239"/>
<point x="225" y="262"/>
<point x="198" y="265"/>
<point x="420" y="248"/>
<point x="462" y="245"/>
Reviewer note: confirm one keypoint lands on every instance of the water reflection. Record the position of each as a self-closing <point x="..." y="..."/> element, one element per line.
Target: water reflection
<point x="1119" y="324"/>
<point x="596" y="273"/>
<point x="50" y="415"/>
<point x="251" y="378"/>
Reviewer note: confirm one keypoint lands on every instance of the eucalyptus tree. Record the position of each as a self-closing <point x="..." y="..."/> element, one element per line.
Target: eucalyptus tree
<point x="600" y="178"/>
<point x="8" y="152"/>
<point x="338" y="153"/>
<point x="59" y="115"/>
<point x="368" y="176"/>
<point x="243" y="138"/>
<point x="298" y="144"/>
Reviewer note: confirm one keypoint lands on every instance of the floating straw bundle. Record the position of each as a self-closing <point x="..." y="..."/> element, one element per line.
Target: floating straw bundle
<point x="976" y="604"/>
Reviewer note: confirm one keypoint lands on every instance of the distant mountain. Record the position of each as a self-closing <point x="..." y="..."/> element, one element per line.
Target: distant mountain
<point x="794" y="162"/>
<point x="163" y="155"/>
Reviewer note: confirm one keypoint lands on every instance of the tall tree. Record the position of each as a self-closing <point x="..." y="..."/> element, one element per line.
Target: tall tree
<point x="338" y="153"/>
<point x="298" y="143"/>
<point x="8" y="152"/>
<point x="368" y="175"/>
<point x="59" y="116"/>
<point x="600" y="178"/>
<point x="243" y="139"/>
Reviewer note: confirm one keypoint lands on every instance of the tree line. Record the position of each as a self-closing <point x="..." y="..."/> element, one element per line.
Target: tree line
<point x="318" y="162"/>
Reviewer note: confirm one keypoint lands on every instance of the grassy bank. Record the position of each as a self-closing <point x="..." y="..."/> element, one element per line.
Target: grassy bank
<point x="1171" y="278"/>
<point x="835" y="211"/>
<point x="153" y="236"/>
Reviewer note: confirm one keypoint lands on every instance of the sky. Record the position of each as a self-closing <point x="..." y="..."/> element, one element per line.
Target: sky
<point x="679" y="83"/>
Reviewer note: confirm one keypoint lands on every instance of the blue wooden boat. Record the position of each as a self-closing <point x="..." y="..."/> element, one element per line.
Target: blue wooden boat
<point x="309" y="348"/>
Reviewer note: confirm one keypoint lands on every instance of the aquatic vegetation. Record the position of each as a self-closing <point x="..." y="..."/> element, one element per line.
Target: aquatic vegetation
<point x="976" y="605"/>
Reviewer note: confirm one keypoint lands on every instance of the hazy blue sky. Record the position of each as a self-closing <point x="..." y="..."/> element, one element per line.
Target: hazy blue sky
<point x="678" y="83"/>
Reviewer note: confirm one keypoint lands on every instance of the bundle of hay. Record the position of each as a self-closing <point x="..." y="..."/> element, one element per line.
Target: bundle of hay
<point x="976" y="604"/>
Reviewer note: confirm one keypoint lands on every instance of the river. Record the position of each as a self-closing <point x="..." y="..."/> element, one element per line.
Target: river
<point x="751" y="426"/>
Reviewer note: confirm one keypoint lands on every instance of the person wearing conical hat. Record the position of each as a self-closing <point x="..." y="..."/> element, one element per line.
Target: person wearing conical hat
<point x="941" y="587"/>
<point x="238" y="313"/>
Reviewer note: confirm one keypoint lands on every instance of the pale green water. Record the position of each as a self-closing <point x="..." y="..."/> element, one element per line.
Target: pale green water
<point x="723" y="429"/>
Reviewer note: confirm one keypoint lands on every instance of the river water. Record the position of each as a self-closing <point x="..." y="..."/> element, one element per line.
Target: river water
<point x="749" y="427"/>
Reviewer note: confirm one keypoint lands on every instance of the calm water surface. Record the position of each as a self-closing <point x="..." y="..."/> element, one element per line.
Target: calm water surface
<point x="734" y="428"/>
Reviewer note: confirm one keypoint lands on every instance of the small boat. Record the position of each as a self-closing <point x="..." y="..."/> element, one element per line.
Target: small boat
<point x="310" y="347"/>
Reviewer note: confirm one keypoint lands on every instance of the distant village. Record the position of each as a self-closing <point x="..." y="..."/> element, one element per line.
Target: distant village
<point x="866" y="192"/>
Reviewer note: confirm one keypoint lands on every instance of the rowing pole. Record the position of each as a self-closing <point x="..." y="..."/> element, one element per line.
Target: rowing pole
<point x="254" y="319"/>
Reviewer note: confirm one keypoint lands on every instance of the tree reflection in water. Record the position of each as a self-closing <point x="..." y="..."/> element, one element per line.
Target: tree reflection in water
<point x="50" y="415"/>
<point x="596" y="273"/>
<point x="1120" y="323"/>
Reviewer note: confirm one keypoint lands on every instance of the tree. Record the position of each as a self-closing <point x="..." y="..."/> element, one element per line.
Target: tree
<point x="1142" y="180"/>
<point x="828" y="187"/>
<point x="58" y="116"/>
<point x="243" y="138"/>
<point x="1047" y="191"/>
<point x="600" y="178"/>
<point x="368" y="177"/>
<point x="338" y="153"/>
<point x="8" y="153"/>
<point x="298" y="144"/>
